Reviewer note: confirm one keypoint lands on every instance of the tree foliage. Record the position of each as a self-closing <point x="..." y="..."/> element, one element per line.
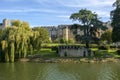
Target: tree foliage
<point x="19" y="40"/>
<point x="115" y="17"/>
<point x="87" y="18"/>
<point x="107" y="36"/>
<point x="40" y="36"/>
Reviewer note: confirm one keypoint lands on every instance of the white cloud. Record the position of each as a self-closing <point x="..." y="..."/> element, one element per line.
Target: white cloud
<point x="101" y="7"/>
<point x="30" y="10"/>
<point x="87" y="3"/>
<point x="63" y="16"/>
<point x="103" y="13"/>
<point x="63" y="8"/>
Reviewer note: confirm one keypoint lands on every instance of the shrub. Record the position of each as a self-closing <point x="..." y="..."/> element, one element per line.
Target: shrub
<point x="112" y="46"/>
<point x="104" y="47"/>
<point x="118" y="52"/>
<point x="55" y="48"/>
<point x="56" y="41"/>
<point x="63" y="40"/>
<point x="71" y="41"/>
<point x="93" y="46"/>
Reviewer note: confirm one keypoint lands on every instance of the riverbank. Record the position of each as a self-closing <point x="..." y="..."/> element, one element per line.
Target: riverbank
<point x="70" y="60"/>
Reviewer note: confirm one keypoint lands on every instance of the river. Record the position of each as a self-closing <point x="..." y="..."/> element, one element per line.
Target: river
<point x="61" y="71"/>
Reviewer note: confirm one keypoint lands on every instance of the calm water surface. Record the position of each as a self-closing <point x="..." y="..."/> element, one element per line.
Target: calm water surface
<point x="53" y="71"/>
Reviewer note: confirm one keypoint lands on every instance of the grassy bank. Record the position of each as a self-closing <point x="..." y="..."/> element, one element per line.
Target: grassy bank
<point x="46" y="51"/>
<point x="47" y="54"/>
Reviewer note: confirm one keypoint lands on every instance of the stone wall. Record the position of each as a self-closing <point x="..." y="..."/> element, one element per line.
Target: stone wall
<point x="74" y="51"/>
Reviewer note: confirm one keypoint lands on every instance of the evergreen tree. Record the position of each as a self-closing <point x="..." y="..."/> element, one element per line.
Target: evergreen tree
<point x="115" y="17"/>
<point x="86" y="18"/>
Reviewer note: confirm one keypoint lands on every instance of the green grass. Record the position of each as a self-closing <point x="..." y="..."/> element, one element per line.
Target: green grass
<point x="56" y="44"/>
<point x="112" y="50"/>
<point x="105" y="53"/>
<point x="94" y="49"/>
<point x="48" y="44"/>
<point x="46" y="52"/>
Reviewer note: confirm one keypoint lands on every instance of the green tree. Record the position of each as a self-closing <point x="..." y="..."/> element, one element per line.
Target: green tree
<point x="115" y="17"/>
<point x="107" y="36"/>
<point x="63" y="40"/>
<point x="5" y="50"/>
<point x="40" y="36"/>
<point x="12" y="52"/>
<point x="16" y="23"/>
<point x="19" y="40"/>
<point x="71" y="41"/>
<point x="86" y="18"/>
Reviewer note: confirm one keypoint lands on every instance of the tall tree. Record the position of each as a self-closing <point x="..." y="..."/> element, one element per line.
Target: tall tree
<point x="115" y="17"/>
<point x="5" y="50"/>
<point x="86" y="18"/>
<point x="19" y="40"/>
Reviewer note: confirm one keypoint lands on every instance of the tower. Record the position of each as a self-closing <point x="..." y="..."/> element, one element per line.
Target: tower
<point x="66" y="33"/>
<point x="5" y="22"/>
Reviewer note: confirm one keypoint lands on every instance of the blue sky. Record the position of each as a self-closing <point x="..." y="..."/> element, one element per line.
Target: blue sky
<point x="52" y="12"/>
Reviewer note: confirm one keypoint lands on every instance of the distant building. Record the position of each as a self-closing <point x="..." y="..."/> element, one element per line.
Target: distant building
<point x="65" y="32"/>
<point x="5" y="23"/>
<point x="59" y="32"/>
<point x="53" y="32"/>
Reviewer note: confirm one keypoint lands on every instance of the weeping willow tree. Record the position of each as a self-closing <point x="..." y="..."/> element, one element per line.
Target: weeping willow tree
<point x="4" y="45"/>
<point x="19" y="40"/>
<point x="12" y="52"/>
<point x="15" y="41"/>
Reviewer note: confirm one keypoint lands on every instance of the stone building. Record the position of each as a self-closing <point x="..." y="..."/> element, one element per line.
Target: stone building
<point x="5" y="23"/>
<point x="59" y="32"/>
<point x="65" y="32"/>
<point x="53" y="32"/>
<point x="74" y="51"/>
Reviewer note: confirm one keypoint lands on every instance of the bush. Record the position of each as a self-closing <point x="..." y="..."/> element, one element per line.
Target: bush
<point x="63" y="40"/>
<point x="71" y="41"/>
<point x="112" y="46"/>
<point x="55" y="48"/>
<point x="56" y="41"/>
<point x="104" y="47"/>
<point x="118" y="52"/>
<point x="93" y="45"/>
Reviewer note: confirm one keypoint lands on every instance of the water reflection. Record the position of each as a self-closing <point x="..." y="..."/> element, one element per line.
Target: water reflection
<point x="51" y="71"/>
<point x="108" y="72"/>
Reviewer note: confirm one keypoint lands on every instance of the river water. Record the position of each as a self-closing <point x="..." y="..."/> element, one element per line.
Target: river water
<point x="61" y="71"/>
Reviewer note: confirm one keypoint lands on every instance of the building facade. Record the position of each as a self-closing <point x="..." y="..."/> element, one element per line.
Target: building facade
<point x="53" y="32"/>
<point x="74" y="51"/>
<point x="60" y="32"/>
